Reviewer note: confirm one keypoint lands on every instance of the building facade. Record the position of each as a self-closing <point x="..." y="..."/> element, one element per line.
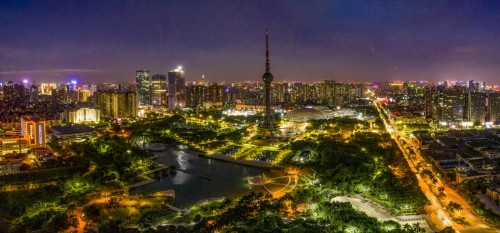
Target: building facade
<point x="143" y="84"/>
<point x="116" y="104"/>
<point x="176" y="88"/>
<point x="33" y="129"/>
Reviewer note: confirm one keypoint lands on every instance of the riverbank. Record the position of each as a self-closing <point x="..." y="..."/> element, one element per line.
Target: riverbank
<point x="250" y="163"/>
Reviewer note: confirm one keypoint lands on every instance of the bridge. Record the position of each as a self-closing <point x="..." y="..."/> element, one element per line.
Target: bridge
<point x="179" y="210"/>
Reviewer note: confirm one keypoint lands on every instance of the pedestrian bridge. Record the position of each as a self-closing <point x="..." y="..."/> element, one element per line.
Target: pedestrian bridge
<point x="259" y="180"/>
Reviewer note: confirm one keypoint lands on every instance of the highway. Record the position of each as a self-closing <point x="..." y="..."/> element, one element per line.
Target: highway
<point x="436" y="210"/>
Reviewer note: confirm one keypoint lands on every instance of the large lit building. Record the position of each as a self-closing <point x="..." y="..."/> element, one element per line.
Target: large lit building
<point x="33" y="92"/>
<point x="116" y="104"/>
<point x="430" y="97"/>
<point x="73" y="133"/>
<point x="494" y="107"/>
<point x="82" y="115"/>
<point x="46" y="88"/>
<point x="90" y="87"/>
<point x="475" y="108"/>
<point x="176" y="88"/>
<point x="450" y="106"/>
<point x="82" y="95"/>
<point x="13" y="144"/>
<point x="196" y="95"/>
<point x="396" y="87"/>
<point x="158" y="92"/>
<point x="13" y="91"/>
<point x="33" y="130"/>
<point x="143" y="82"/>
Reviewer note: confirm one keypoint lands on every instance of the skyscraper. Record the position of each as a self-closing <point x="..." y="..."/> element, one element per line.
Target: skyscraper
<point x="451" y="105"/>
<point x="475" y="107"/>
<point x="33" y="92"/>
<point x="159" y="90"/>
<point x="117" y="104"/>
<point x="176" y="88"/>
<point x="494" y="107"/>
<point x="430" y="97"/>
<point x="143" y="82"/>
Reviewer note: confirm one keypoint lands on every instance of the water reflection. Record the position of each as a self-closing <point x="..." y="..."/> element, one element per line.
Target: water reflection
<point x="227" y="179"/>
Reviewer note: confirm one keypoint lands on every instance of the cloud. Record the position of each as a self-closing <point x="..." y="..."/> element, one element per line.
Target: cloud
<point x="51" y="71"/>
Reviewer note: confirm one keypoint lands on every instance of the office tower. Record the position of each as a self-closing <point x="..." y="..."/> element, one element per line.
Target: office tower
<point x="60" y="95"/>
<point x="143" y="82"/>
<point x="116" y="104"/>
<point x="430" y="99"/>
<point x="196" y="96"/>
<point x="72" y="86"/>
<point x="268" y="125"/>
<point x="91" y="87"/>
<point x="278" y="93"/>
<point x="46" y="88"/>
<point x="450" y="105"/>
<point x="396" y="88"/>
<point x="82" y="95"/>
<point x="475" y="108"/>
<point x="158" y="92"/>
<point x="176" y="88"/>
<point x="33" y="91"/>
<point x="494" y="107"/>
<point x="217" y="94"/>
<point x="13" y="91"/>
<point x="33" y="130"/>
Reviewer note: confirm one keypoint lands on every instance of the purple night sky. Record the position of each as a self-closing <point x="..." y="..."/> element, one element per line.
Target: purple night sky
<point x="347" y="40"/>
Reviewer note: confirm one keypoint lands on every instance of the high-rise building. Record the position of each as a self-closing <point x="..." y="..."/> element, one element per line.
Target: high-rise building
<point x="13" y="91"/>
<point x="46" y="88"/>
<point x="33" y="130"/>
<point x="91" y="87"/>
<point x="158" y="92"/>
<point x="475" y="108"/>
<point x="196" y="96"/>
<point x="33" y="91"/>
<point x="72" y="86"/>
<point x="117" y="104"/>
<point x="176" y="88"/>
<point x="494" y="107"/>
<point x="82" y="95"/>
<point x="217" y="94"/>
<point x="396" y="87"/>
<point x="450" y="105"/>
<point x="143" y="82"/>
<point x="430" y="100"/>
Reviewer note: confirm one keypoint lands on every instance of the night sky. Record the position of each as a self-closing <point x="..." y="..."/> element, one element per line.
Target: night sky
<point x="225" y="40"/>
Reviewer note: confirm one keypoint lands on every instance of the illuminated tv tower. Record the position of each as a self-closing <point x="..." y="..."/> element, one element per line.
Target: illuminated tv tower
<point x="268" y="126"/>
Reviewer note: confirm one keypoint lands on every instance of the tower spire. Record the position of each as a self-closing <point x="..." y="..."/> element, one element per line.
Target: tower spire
<point x="268" y="63"/>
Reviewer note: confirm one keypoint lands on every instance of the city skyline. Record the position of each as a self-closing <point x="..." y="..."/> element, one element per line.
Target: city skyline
<point x="343" y="41"/>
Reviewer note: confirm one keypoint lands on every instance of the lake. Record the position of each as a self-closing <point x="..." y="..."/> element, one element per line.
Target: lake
<point x="227" y="179"/>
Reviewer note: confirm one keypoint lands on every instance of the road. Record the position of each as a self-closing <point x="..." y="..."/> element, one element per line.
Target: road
<point x="436" y="210"/>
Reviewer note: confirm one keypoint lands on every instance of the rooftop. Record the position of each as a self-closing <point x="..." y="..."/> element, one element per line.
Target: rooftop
<point x="72" y="129"/>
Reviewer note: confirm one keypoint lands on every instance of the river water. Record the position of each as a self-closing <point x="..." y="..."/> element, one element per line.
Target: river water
<point x="227" y="179"/>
